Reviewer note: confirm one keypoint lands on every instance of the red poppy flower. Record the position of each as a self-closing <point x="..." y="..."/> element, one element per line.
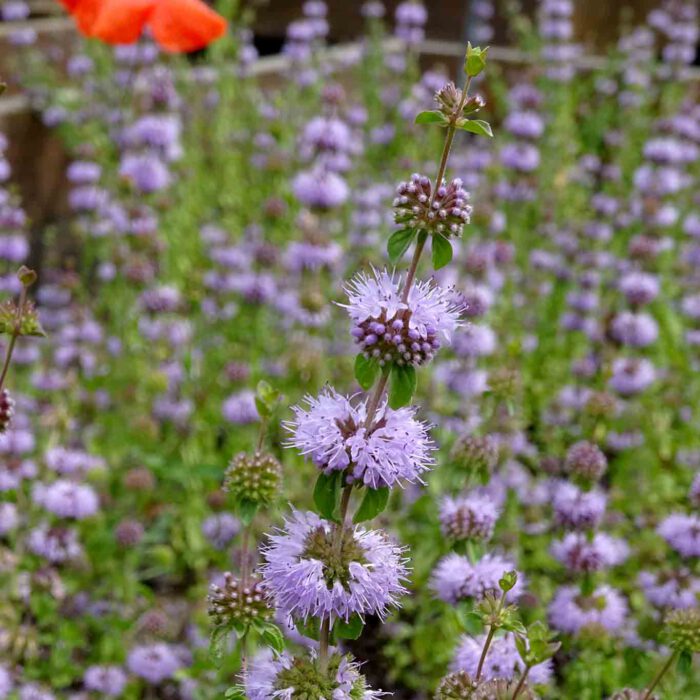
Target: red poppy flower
<point x="177" y="25"/>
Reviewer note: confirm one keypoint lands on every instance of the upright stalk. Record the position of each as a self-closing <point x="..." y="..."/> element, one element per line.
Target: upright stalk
<point x="15" y="334"/>
<point x="660" y="675"/>
<point x="521" y="684"/>
<point x="447" y="147"/>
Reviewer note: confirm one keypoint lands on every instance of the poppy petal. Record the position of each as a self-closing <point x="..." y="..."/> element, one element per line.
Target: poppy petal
<point x="84" y="12"/>
<point x="185" y="25"/>
<point x="122" y="21"/>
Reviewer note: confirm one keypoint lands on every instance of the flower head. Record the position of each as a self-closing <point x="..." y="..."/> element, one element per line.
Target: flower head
<point x="456" y="578"/>
<point x="570" y="611"/>
<point x="333" y="432"/>
<point x="308" y="575"/>
<point x="445" y="212"/>
<point x="682" y="532"/>
<point x="468" y="517"/>
<point x="154" y="662"/>
<point x="288" y="677"/>
<point x="394" y="331"/>
<point x="502" y="660"/>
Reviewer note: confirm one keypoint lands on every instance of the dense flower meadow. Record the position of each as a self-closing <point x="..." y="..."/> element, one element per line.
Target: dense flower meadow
<point x="358" y="377"/>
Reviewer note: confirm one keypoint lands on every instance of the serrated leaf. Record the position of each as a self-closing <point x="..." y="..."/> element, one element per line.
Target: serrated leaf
<point x="351" y="629"/>
<point x="402" y="385"/>
<point x="366" y="371"/>
<point x="431" y="117"/>
<point x="373" y="503"/>
<point x="442" y="251"/>
<point x="398" y="243"/>
<point x="475" y="126"/>
<point x="247" y="510"/>
<point x="327" y="494"/>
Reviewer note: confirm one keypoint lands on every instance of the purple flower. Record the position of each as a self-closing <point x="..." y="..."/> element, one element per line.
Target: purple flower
<point x="502" y="660"/>
<point x="109" y="680"/>
<point x="570" y="611"/>
<point x="55" y="544"/>
<point x="455" y="577"/>
<point x="637" y="330"/>
<point x="631" y="375"/>
<point x="147" y="172"/>
<point x="307" y="576"/>
<point x="66" y="499"/>
<point x="580" y="553"/>
<point x="334" y="434"/>
<point x="274" y="676"/>
<point x="468" y="517"/>
<point x="240" y="408"/>
<point x="577" y="509"/>
<point x="679" y="590"/>
<point x="5" y="682"/>
<point x="391" y="330"/>
<point x="82" y="172"/>
<point x="220" y="529"/>
<point x="682" y="532"/>
<point x="154" y="662"/>
<point x="639" y="287"/>
<point x="9" y="518"/>
<point x="33" y="691"/>
<point x="320" y="189"/>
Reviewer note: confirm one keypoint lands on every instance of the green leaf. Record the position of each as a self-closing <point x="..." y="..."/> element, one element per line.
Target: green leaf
<point x="217" y="642"/>
<point x="685" y="662"/>
<point x="398" y="243"/>
<point x="442" y="251"/>
<point x="403" y="385"/>
<point x="247" y="510"/>
<point x="475" y="126"/>
<point x="470" y="621"/>
<point x="272" y="636"/>
<point x="265" y="398"/>
<point x="374" y="502"/>
<point x="431" y="117"/>
<point x="351" y="629"/>
<point x="308" y="629"/>
<point x="521" y="646"/>
<point x="366" y="371"/>
<point x="236" y="692"/>
<point x="327" y="494"/>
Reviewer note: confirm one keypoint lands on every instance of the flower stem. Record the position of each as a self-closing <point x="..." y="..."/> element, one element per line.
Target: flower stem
<point x="489" y="639"/>
<point x="521" y="684"/>
<point x="659" y="676"/>
<point x="14" y="336"/>
<point x="337" y="543"/>
<point x="374" y="401"/>
<point x="484" y="651"/>
<point x="447" y="147"/>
